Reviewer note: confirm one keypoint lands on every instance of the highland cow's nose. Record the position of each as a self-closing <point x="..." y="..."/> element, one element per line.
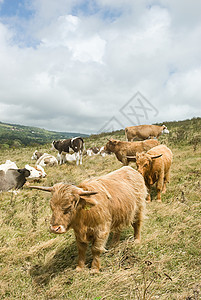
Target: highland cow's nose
<point x="57" y="229"/>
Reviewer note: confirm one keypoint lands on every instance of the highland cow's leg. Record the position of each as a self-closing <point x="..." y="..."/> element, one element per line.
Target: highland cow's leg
<point x="124" y="161"/>
<point x="115" y="238"/>
<point x="159" y="195"/>
<point x="137" y="227"/>
<point x="97" y="248"/>
<point x="159" y="186"/>
<point x="148" y="199"/>
<point x="166" y="180"/>
<point x="95" y="266"/>
<point x="82" y="247"/>
<point x="164" y="187"/>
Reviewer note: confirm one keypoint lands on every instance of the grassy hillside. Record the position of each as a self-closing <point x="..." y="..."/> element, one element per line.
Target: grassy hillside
<point x="15" y="136"/>
<point x="35" y="264"/>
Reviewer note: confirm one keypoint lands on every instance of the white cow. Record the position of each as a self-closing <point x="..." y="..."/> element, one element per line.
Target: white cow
<point x="47" y="160"/>
<point x="36" y="172"/>
<point x="8" y="165"/>
<point x="44" y="159"/>
<point x="66" y="157"/>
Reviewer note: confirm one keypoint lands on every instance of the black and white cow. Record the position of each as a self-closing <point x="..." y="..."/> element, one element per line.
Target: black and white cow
<point x="65" y="146"/>
<point x="93" y="151"/>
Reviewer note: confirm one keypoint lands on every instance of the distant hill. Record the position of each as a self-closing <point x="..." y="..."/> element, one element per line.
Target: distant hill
<point x="14" y="136"/>
<point x="182" y="126"/>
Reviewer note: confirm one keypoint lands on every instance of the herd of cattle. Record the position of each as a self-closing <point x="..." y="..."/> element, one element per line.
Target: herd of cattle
<point x="107" y="203"/>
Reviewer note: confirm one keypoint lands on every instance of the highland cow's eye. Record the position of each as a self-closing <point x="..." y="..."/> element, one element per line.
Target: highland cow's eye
<point x="66" y="210"/>
<point x="145" y="165"/>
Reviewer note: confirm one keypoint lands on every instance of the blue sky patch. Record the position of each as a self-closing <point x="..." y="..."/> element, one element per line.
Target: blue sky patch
<point x="19" y="8"/>
<point x="89" y="8"/>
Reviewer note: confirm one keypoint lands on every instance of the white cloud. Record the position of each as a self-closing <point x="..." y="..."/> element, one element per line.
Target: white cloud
<point x="184" y="88"/>
<point x="85" y="67"/>
<point x="67" y="32"/>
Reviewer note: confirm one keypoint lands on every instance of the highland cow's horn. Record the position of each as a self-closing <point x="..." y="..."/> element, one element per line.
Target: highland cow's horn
<point x="131" y="157"/>
<point x="87" y="193"/>
<point x="42" y="188"/>
<point x="153" y="157"/>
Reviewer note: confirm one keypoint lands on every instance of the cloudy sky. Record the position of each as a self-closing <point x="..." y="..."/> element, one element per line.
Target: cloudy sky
<point x="90" y="66"/>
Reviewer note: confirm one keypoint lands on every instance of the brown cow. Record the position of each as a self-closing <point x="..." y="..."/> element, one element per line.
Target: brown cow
<point x="124" y="149"/>
<point x="155" y="168"/>
<point x="143" y="132"/>
<point x="96" y="207"/>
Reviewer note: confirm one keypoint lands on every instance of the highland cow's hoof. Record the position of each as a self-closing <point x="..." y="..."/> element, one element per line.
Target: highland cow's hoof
<point x="148" y="199"/>
<point x="79" y="269"/>
<point x="137" y="241"/>
<point x="94" y="271"/>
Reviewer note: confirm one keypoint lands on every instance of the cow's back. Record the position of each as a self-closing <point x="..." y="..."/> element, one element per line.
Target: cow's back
<point x="120" y="195"/>
<point x="166" y="157"/>
<point x="129" y="148"/>
<point x="143" y="131"/>
<point x="148" y="144"/>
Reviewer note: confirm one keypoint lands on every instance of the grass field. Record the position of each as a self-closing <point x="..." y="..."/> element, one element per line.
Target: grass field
<point x="35" y="264"/>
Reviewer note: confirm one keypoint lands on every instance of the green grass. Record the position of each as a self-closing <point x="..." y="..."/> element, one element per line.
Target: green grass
<point x="34" y="264"/>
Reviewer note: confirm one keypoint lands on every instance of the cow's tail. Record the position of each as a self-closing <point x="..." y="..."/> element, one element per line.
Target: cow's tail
<point x="126" y="134"/>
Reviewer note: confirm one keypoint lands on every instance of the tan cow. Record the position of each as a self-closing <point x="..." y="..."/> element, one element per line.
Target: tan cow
<point x="143" y="132"/>
<point x="155" y="168"/>
<point x="124" y="149"/>
<point x="96" y="207"/>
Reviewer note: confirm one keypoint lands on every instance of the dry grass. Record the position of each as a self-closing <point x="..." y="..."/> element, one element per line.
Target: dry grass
<point x="35" y="264"/>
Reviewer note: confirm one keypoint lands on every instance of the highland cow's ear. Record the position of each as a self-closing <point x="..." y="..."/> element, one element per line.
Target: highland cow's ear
<point x="153" y="157"/>
<point x="111" y="140"/>
<point x="114" y="142"/>
<point x="85" y="200"/>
